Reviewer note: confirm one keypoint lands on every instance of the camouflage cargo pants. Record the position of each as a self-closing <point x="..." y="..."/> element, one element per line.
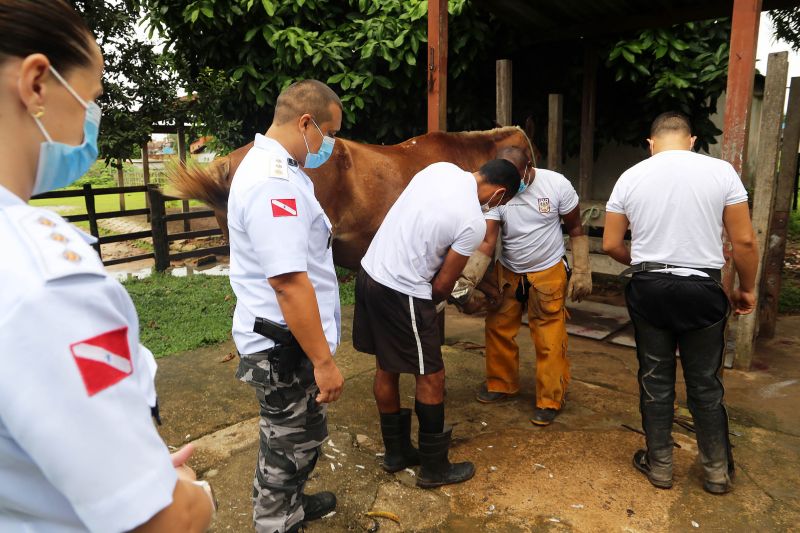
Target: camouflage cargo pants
<point x="292" y="429"/>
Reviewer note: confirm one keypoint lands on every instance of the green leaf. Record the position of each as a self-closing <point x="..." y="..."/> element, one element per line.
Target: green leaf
<point x="208" y="12"/>
<point x="629" y="57"/>
<point x="195" y="14"/>
<point x="336" y="78"/>
<point x="269" y="7"/>
<point x="250" y="34"/>
<point x="660" y="51"/>
<point x="410" y="59"/>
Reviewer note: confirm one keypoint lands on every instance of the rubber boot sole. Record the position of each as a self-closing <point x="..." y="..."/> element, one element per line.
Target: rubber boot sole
<point x="423" y="484"/>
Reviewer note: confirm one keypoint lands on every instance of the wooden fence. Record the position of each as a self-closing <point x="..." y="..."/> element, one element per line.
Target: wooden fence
<point x="157" y="215"/>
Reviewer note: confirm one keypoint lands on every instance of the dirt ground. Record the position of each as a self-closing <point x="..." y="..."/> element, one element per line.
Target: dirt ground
<point x="574" y="475"/>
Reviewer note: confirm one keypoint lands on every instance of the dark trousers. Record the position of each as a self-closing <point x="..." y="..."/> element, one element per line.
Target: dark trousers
<point x="687" y="313"/>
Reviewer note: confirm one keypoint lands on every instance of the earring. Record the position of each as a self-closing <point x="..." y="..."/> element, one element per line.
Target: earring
<point x="39" y="113"/>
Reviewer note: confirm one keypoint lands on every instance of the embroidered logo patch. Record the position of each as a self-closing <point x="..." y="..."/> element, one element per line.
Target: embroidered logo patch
<point x="103" y="360"/>
<point x="286" y="207"/>
<point x="544" y="205"/>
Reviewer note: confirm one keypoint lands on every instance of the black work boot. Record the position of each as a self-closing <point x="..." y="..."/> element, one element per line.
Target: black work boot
<point x="701" y="357"/>
<point x="396" y="431"/>
<point x="437" y="470"/>
<point x="317" y="505"/>
<point x="656" y="466"/>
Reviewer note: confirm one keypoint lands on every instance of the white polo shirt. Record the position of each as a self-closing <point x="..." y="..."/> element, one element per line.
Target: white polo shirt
<point x="531" y="223"/>
<point x="438" y="210"/>
<point x="78" y="450"/>
<point x="277" y="226"/>
<point x="674" y="202"/>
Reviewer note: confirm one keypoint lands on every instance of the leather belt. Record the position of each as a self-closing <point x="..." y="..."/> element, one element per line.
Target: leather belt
<point x="648" y="266"/>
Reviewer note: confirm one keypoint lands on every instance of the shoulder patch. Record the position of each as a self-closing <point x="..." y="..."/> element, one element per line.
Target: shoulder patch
<point x="58" y="249"/>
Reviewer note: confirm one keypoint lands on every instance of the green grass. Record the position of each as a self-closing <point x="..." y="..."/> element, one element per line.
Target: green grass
<point x="789" y="301"/>
<point x="179" y="314"/>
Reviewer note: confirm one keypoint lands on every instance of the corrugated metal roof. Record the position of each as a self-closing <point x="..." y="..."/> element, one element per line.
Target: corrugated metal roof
<point x="549" y="20"/>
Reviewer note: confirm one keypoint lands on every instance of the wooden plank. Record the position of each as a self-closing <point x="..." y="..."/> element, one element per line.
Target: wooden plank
<point x="126" y="237"/>
<point x="193" y="214"/>
<point x="159" y="224"/>
<point x="437" y="65"/>
<point x="764" y="195"/>
<point x="91" y="216"/>
<point x="129" y="259"/>
<point x="71" y="193"/>
<point x="503" y="84"/>
<point x="779" y="221"/>
<point x="220" y="250"/>
<point x="588" y="117"/>
<point x="555" y="132"/>
<point x="194" y="234"/>
<point x="117" y="190"/>
<point x="121" y="184"/>
<point x="117" y="214"/>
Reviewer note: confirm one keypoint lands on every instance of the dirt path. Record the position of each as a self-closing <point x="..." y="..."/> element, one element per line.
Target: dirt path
<point x="572" y="476"/>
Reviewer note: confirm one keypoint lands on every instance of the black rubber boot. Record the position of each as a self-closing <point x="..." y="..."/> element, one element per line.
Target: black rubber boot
<point x="701" y="358"/>
<point x="437" y="470"/>
<point x="315" y="506"/>
<point x="396" y="431"/>
<point x="658" y="470"/>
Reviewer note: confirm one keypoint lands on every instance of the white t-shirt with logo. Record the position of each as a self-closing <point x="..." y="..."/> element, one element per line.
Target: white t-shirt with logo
<point x="437" y="211"/>
<point x="674" y="202"/>
<point x="531" y="223"/>
<point x="277" y="226"/>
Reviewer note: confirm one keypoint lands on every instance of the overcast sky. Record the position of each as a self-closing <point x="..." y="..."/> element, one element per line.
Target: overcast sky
<point x="767" y="44"/>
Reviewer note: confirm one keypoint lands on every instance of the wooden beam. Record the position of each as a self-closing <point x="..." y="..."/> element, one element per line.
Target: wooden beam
<point x="146" y="175"/>
<point x="779" y="221"/>
<point x="739" y="98"/>
<point x="588" y="114"/>
<point x="503" y="85"/>
<point x="121" y="183"/>
<point x="555" y="132"/>
<point x="764" y="196"/>
<point x="437" y="65"/>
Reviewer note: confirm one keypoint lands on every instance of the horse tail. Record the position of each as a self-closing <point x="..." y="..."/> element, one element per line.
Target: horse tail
<point x="209" y="183"/>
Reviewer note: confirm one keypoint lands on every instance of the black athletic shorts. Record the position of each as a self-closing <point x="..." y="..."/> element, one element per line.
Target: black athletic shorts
<point x="400" y="330"/>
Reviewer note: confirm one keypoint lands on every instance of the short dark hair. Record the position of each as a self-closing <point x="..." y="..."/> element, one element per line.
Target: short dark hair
<point x="49" y="27"/>
<point x="515" y="155"/>
<point x="671" y="122"/>
<point x="503" y="173"/>
<point x="306" y="96"/>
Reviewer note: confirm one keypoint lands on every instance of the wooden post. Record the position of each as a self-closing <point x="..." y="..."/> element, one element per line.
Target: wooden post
<point x="146" y="174"/>
<point x="187" y="226"/>
<point x="91" y="211"/>
<point x="764" y="195"/>
<point x="739" y="98"/>
<point x="158" y="223"/>
<point x="503" y="86"/>
<point x="437" y="65"/>
<point x="588" y="113"/>
<point x="776" y="248"/>
<point x="121" y="183"/>
<point x="555" y="132"/>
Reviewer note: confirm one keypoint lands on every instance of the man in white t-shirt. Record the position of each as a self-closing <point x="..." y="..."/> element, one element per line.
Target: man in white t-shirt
<point x="532" y="270"/>
<point x="410" y="266"/>
<point x="676" y="204"/>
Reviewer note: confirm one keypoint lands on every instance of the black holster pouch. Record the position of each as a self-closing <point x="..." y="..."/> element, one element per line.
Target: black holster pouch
<point x="523" y="289"/>
<point x="285" y="357"/>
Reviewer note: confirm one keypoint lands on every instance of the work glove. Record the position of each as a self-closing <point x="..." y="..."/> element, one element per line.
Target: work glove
<point x="464" y="289"/>
<point x="580" y="284"/>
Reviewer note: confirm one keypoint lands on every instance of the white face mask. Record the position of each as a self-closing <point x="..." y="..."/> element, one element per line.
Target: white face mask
<point x="485" y="208"/>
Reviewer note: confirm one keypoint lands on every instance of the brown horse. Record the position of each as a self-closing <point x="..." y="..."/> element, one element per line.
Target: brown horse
<point x="360" y="183"/>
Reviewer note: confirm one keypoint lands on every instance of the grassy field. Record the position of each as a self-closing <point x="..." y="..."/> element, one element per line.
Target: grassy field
<point x="179" y="314"/>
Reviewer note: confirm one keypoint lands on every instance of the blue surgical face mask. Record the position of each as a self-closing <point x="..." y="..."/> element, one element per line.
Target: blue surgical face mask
<point x="325" y="151"/>
<point x="61" y="164"/>
<point x="526" y="180"/>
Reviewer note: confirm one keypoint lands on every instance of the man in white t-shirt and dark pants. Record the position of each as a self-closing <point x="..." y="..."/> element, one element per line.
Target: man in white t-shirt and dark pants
<point x="532" y="270"/>
<point x="676" y="204"/>
<point x="411" y="265"/>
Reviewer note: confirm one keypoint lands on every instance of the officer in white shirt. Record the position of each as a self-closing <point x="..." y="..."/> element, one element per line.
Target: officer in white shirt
<point x="411" y="265"/>
<point x="287" y="319"/>
<point x="676" y="204"/>
<point x="78" y="449"/>
<point x="532" y="272"/>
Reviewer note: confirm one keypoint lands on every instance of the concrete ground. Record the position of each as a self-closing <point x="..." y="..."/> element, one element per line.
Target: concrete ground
<point x="574" y="475"/>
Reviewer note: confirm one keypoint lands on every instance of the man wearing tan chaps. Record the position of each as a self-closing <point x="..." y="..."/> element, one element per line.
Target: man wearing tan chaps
<point x="532" y="271"/>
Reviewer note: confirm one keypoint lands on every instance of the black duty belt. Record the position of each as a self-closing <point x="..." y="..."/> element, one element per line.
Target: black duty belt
<point x="647" y="266"/>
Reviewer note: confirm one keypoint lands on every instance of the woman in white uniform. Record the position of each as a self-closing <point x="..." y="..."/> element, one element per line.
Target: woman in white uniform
<point x="78" y="449"/>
